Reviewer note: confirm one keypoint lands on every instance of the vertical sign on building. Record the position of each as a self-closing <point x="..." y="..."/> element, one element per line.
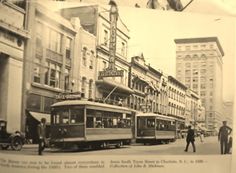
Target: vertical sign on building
<point x="111" y="71"/>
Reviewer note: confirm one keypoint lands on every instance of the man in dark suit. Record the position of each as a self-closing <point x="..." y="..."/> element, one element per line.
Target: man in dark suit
<point x="42" y="135"/>
<point x="190" y="138"/>
<point x="223" y="137"/>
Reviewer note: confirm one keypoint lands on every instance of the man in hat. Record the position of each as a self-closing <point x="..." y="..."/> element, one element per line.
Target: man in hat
<point x="190" y="139"/>
<point x="42" y="135"/>
<point x="223" y="137"/>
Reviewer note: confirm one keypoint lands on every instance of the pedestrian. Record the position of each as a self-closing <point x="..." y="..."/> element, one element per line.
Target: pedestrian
<point x="190" y="139"/>
<point x="223" y="134"/>
<point x="201" y="136"/>
<point x="42" y="135"/>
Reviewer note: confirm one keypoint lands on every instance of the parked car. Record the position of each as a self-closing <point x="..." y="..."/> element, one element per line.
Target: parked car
<point x="15" y="140"/>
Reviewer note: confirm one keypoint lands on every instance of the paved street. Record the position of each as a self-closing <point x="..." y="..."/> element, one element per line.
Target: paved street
<point x="210" y="146"/>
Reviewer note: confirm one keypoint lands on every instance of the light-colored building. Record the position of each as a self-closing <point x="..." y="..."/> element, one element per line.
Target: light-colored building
<point x="177" y="96"/>
<point x="85" y="70"/>
<point x="13" y="36"/>
<point x="95" y="19"/>
<point x="51" y="58"/>
<point x="149" y="86"/>
<point x="228" y="108"/>
<point x="199" y="67"/>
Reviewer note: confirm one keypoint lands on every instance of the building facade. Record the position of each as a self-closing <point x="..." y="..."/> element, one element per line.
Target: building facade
<point x="50" y="62"/>
<point x="95" y="19"/>
<point x="177" y="96"/>
<point x="13" y="36"/>
<point x="199" y="67"/>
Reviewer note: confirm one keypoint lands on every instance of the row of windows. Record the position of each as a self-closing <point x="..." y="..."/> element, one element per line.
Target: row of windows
<point x="176" y="110"/>
<point x="194" y="47"/>
<point x="176" y="95"/>
<point x="88" y="56"/>
<point x="51" y="75"/>
<point x="121" y="48"/>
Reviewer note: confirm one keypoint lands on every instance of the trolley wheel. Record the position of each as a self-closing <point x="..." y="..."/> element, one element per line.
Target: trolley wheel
<point x="4" y="146"/>
<point x="16" y="143"/>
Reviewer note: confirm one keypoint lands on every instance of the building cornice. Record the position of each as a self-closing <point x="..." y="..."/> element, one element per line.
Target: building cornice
<point x="200" y="40"/>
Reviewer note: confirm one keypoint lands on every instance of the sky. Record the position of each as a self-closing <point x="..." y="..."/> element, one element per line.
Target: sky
<point x="153" y="32"/>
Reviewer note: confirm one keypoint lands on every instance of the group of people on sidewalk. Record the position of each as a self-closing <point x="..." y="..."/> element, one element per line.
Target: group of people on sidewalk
<point x="223" y="138"/>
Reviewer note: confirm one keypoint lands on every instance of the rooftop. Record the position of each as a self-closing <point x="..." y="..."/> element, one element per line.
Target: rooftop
<point x="200" y="40"/>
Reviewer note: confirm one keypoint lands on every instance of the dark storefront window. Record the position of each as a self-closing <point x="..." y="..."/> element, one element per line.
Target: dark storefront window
<point x="33" y="102"/>
<point x="47" y="104"/>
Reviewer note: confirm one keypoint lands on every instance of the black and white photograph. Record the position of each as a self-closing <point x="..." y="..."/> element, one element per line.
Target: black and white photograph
<point x="112" y="85"/>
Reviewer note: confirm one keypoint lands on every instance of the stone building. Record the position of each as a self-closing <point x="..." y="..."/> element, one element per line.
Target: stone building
<point x="13" y="37"/>
<point x="199" y="67"/>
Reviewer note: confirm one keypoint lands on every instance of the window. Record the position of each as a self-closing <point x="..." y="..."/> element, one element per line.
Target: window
<point x="203" y="71"/>
<point x="203" y="79"/>
<point x="90" y="88"/>
<point x="195" y="79"/>
<point x="123" y="49"/>
<point x="76" y="115"/>
<point x="37" y="70"/>
<point x="47" y="104"/>
<point x="83" y="86"/>
<point x="203" y="93"/>
<point x="67" y="80"/>
<point x="187" y="72"/>
<point x="52" y="75"/>
<point x="54" y="40"/>
<point x="39" y="37"/>
<point x="203" y="86"/>
<point x="34" y="102"/>
<point x="84" y="55"/>
<point x="105" y="38"/>
<point x="68" y="51"/>
<point x="188" y="65"/>
<point x="91" y="59"/>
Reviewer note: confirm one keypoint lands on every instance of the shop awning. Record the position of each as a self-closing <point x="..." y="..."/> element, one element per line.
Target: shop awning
<point x="110" y="85"/>
<point x="38" y="116"/>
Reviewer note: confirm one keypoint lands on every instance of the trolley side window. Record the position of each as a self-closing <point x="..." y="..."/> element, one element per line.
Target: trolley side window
<point x="144" y="122"/>
<point x="68" y="115"/>
<point x="107" y="119"/>
<point x="164" y="125"/>
<point x="76" y="115"/>
<point x="60" y="116"/>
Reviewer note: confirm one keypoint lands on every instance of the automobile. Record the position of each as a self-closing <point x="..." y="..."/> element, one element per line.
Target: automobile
<point x="16" y="140"/>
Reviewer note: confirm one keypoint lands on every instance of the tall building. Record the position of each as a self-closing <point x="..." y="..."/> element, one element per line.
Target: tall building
<point x="199" y="67"/>
<point x="13" y="37"/>
<point x="96" y="20"/>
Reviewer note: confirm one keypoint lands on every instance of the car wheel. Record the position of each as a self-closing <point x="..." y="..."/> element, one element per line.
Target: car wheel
<point x="4" y="146"/>
<point x="16" y="143"/>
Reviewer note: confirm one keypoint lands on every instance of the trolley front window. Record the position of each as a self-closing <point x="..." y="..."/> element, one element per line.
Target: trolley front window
<point x="69" y="115"/>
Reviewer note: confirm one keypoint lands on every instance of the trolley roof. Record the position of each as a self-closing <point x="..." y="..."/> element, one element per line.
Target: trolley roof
<point x="93" y="105"/>
<point x="163" y="117"/>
